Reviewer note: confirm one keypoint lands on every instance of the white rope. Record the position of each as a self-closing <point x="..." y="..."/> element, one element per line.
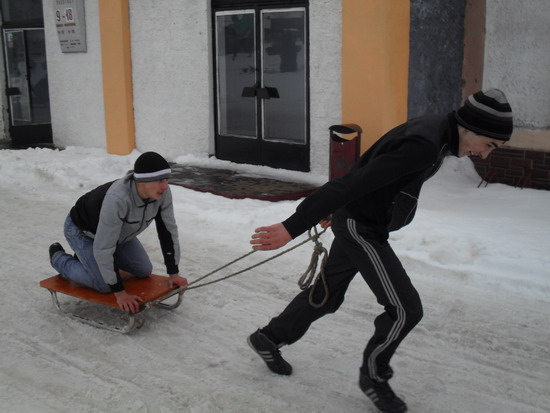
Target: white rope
<point x="307" y="277"/>
<point x="303" y="282"/>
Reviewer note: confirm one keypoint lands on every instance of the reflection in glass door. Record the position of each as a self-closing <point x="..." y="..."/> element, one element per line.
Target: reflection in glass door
<point x="283" y="70"/>
<point x="261" y="87"/>
<point x="27" y="84"/>
<point x="236" y="71"/>
<point x="18" y="88"/>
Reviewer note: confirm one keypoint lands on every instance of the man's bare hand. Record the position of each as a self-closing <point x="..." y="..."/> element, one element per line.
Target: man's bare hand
<point x="127" y="302"/>
<point x="177" y="280"/>
<point x="270" y="238"/>
<point x="326" y="222"/>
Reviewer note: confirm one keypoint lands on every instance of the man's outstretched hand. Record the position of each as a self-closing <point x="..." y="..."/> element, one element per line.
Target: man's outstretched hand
<point x="270" y="238"/>
<point x="326" y="222"/>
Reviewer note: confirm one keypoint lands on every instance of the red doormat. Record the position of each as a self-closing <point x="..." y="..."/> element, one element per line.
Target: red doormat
<point x="237" y="185"/>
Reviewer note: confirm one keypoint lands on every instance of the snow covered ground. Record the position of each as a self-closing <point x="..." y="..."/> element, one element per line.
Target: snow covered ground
<point x="479" y="258"/>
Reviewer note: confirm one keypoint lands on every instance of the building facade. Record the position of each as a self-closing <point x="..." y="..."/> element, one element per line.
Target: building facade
<point x="261" y="81"/>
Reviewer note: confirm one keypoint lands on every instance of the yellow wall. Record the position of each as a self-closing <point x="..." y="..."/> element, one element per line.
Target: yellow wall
<point x="117" y="76"/>
<point x="375" y="55"/>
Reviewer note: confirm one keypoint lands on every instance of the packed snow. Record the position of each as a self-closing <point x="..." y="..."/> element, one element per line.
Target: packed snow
<point x="478" y="256"/>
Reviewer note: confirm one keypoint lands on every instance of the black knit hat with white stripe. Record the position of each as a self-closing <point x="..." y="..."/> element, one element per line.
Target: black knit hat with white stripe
<point x="487" y="113"/>
<point x="150" y="166"/>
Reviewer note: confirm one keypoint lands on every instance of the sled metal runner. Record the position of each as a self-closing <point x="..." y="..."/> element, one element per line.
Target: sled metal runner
<point x="153" y="290"/>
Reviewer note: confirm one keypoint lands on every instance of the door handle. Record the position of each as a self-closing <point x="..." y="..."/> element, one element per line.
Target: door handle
<point x="268" y="93"/>
<point x="13" y="91"/>
<point x="248" y="92"/>
<point x="261" y="92"/>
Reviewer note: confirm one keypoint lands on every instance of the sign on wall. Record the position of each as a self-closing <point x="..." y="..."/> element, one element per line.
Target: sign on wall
<point x="71" y="25"/>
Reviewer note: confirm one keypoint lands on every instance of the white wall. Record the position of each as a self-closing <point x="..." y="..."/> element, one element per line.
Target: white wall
<point x="172" y="73"/>
<point x="172" y="76"/>
<point x="325" y="33"/>
<point x="172" y="79"/>
<point x="4" y="115"/>
<point x="517" y="58"/>
<point x="75" y="82"/>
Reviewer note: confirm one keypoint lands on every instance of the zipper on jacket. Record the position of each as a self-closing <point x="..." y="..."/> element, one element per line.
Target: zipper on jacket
<point x="132" y="235"/>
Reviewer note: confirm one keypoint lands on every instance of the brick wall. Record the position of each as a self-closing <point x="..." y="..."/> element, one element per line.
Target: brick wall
<point x="516" y="167"/>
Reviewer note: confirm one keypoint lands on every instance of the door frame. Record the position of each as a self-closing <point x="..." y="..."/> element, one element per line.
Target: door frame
<point x="257" y="150"/>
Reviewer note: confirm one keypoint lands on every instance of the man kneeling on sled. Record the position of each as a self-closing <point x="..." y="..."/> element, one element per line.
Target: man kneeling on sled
<point x="103" y="226"/>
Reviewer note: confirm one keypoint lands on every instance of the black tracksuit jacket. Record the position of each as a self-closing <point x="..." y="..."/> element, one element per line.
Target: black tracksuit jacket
<point x="381" y="191"/>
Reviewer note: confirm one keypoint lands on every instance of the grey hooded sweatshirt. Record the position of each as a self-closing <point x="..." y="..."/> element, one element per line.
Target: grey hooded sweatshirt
<point x="114" y="213"/>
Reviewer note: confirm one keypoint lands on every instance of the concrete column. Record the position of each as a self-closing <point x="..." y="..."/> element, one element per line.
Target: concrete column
<point x="114" y="25"/>
<point x="375" y="56"/>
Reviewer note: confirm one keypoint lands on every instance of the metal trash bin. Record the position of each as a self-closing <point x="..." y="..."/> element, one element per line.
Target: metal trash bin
<point x="344" y="148"/>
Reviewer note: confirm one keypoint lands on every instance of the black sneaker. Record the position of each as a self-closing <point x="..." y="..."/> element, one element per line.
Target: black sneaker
<point x="55" y="247"/>
<point x="381" y="394"/>
<point x="270" y="353"/>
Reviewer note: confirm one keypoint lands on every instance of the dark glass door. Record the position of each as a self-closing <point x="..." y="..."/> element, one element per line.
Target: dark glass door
<point x="261" y="87"/>
<point x="27" y="85"/>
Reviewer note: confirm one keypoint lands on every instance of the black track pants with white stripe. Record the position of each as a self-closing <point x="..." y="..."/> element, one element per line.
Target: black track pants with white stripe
<point x="352" y="251"/>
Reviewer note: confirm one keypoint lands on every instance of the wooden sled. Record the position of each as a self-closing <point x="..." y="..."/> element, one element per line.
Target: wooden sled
<point x="153" y="290"/>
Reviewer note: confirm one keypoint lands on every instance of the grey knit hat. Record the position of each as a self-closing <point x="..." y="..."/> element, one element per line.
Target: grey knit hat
<point x="487" y="113"/>
<point x="150" y="166"/>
